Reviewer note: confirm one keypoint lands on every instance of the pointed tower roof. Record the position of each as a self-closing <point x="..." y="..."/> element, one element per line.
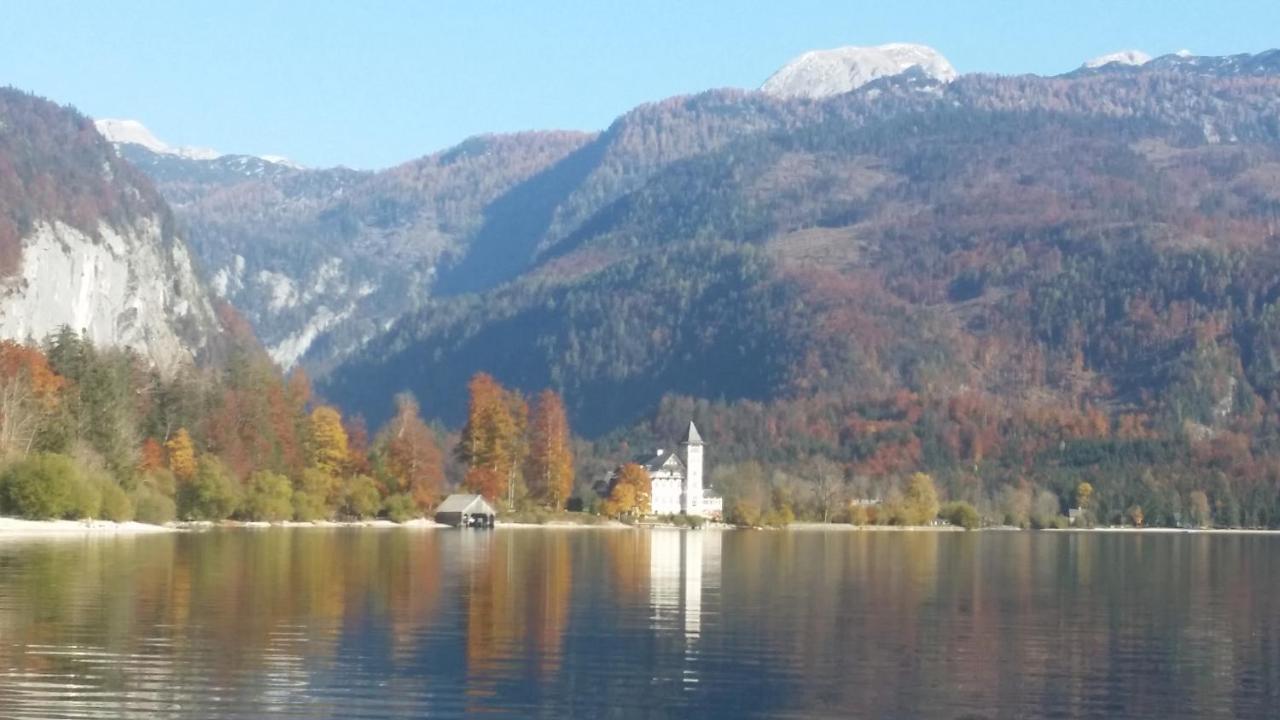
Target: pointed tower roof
<point x="694" y="438"/>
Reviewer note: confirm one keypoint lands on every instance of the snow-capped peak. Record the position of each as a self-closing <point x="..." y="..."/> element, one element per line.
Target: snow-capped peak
<point x="281" y="160"/>
<point x="135" y="133"/>
<point x="822" y="73"/>
<point x="132" y="132"/>
<point x="1124" y="57"/>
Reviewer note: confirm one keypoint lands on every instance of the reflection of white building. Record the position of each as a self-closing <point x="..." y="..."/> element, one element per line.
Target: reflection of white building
<point x="682" y="565"/>
<point x="677" y="486"/>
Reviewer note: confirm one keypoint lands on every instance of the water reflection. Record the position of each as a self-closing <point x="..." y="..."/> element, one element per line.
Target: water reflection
<point x="576" y="623"/>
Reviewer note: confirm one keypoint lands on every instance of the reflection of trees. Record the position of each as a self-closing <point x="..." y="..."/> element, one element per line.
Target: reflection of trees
<point x="865" y="624"/>
<point x="905" y="624"/>
<point x="518" y="606"/>
<point x="228" y="602"/>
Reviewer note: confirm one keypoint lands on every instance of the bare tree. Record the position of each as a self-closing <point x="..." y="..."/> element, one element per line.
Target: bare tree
<point x="829" y="486"/>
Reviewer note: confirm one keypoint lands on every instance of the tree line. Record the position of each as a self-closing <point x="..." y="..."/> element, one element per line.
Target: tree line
<point x="89" y="432"/>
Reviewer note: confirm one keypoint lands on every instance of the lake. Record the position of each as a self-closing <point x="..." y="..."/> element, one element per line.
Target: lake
<point x="395" y="623"/>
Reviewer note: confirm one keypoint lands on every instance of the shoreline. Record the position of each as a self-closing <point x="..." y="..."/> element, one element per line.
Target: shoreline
<point x="16" y="528"/>
<point x="377" y="524"/>
<point x="846" y="527"/>
<point x="11" y="528"/>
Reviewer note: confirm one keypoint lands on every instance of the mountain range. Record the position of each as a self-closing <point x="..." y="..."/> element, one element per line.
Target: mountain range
<point x="869" y="222"/>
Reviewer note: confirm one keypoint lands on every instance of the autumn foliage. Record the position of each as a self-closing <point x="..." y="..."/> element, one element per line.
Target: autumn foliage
<point x="411" y="456"/>
<point x="549" y="469"/>
<point x="241" y="441"/>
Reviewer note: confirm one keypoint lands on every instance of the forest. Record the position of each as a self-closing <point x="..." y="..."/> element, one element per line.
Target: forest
<point x="88" y="432"/>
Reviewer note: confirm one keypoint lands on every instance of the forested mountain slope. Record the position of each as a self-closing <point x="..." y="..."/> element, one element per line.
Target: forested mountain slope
<point x="915" y="275"/>
<point x="305" y="252"/>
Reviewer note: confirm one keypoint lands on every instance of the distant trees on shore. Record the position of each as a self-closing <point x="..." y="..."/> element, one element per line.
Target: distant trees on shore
<point x="512" y="455"/>
<point x="94" y="432"/>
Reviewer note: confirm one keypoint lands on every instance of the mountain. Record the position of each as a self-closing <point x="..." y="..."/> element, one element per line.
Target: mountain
<point x="920" y="233"/>
<point x="336" y="253"/>
<point x="1123" y="57"/>
<point x="86" y="241"/>
<point x="823" y="73"/>
<point x="132" y="132"/>
<point x="1100" y="239"/>
<point x="1017" y="283"/>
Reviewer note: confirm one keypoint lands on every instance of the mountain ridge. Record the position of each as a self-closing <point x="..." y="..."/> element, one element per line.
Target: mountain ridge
<point x="822" y="73"/>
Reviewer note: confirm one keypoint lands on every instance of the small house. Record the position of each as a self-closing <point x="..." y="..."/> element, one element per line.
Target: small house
<point x="466" y="511"/>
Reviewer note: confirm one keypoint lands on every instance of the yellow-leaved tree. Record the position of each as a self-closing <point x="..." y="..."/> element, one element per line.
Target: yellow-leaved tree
<point x="920" y="501"/>
<point x="328" y="441"/>
<point x="182" y="455"/>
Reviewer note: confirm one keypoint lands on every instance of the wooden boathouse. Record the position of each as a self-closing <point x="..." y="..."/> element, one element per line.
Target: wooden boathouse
<point x="466" y="511"/>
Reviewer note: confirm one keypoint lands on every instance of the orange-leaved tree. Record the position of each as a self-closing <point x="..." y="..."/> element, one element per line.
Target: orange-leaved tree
<point x="630" y="493"/>
<point x="29" y="391"/>
<point x="549" y="468"/>
<point x="491" y="440"/>
<point x="409" y="455"/>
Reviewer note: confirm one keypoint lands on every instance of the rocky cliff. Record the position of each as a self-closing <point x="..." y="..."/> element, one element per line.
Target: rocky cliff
<point x="85" y="241"/>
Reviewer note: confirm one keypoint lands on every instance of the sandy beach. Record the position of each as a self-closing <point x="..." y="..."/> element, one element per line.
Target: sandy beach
<point x="15" y="528"/>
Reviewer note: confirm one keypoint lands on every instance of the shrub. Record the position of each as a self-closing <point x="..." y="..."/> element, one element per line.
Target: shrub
<point x="86" y="495"/>
<point x="363" y="499"/>
<point x="152" y="506"/>
<point x="40" y="486"/>
<point x="1046" y="522"/>
<point x="779" y="518"/>
<point x="311" y="495"/>
<point x="308" y="507"/>
<point x="862" y="515"/>
<point x="689" y="521"/>
<point x="744" y="511"/>
<point x="116" y="505"/>
<point x="270" y="497"/>
<point x="960" y="514"/>
<point x="160" y="480"/>
<point x="211" y="494"/>
<point x="400" y="508"/>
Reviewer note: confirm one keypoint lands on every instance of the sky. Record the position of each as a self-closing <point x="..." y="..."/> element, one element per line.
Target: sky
<point x="375" y="83"/>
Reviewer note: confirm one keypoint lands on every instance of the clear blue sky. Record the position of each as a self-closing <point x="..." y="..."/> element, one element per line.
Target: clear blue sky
<point x="370" y="84"/>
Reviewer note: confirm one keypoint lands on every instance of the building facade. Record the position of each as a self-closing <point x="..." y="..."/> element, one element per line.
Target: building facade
<point x="677" y="481"/>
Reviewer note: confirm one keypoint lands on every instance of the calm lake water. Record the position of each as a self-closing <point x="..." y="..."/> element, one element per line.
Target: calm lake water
<point x="624" y="624"/>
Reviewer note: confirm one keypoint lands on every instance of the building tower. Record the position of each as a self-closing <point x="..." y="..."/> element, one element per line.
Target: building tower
<point x="692" y="472"/>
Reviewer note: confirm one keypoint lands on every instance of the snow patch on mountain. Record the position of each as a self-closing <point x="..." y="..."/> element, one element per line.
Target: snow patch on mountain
<point x="135" y="133"/>
<point x="1123" y="57"/>
<point x="282" y="160"/>
<point x="823" y="73"/>
<point x="132" y="132"/>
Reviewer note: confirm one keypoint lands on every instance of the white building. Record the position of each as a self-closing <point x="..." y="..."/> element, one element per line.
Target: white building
<point x="677" y="486"/>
